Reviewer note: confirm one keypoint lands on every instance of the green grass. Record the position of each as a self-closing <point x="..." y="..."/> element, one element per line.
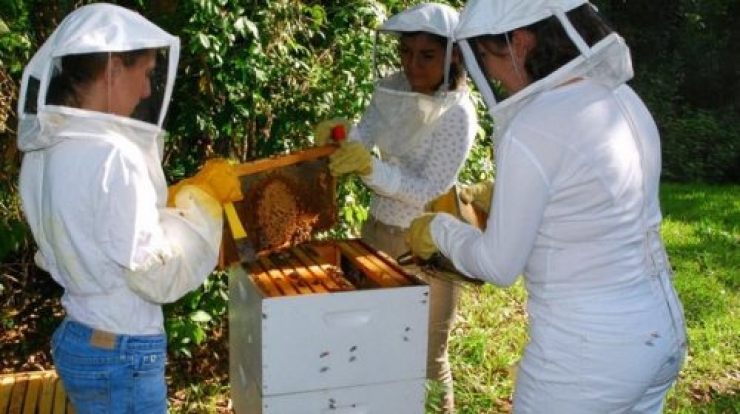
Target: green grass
<point x="702" y="232"/>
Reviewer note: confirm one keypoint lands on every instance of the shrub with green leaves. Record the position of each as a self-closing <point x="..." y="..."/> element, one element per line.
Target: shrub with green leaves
<point x="701" y="146"/>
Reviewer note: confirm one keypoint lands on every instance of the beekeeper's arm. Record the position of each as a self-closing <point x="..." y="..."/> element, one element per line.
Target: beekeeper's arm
<point x="500" y="253"/>
<point x="452" y="139"/>
<point x="167" y="252"/>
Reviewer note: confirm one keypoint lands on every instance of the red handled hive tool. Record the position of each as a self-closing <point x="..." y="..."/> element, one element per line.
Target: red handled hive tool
<point x="338" y="134"/>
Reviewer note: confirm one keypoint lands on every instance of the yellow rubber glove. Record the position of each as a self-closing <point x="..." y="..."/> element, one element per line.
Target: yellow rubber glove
<point x="351" y="157"/>
<point x="217" y="178"/>
<point x="323" y="130"/>
<point x="419" y="236"/>
<point x="446" y="203"/>
<point x="479" y="194"/>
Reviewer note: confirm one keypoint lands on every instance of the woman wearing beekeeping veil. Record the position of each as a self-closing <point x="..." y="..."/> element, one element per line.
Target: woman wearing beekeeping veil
<point x="575" y="209"/>
<point x="422" y="123"/>
<point x="92" y="105"/>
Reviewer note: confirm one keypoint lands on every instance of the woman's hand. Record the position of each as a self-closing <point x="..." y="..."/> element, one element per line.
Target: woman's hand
<point x="351" y="157"/>
<point x="419" y="236"/>
<point x="217" y="178"/>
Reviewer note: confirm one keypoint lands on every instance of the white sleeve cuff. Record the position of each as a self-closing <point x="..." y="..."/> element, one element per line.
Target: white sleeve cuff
<point x="193" y="231"/>
<point x="384" y="180"/>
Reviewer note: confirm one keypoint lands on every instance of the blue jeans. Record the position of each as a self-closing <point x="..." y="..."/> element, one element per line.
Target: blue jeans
<point x="105" y="373"/>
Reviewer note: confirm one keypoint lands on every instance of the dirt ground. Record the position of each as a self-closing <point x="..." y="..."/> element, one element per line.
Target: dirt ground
<point x="31" y="311"/>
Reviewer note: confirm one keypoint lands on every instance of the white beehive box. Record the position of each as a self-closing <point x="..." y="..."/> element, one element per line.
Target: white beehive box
<point x="305" y="339"/>
<point x="311" y="353"/>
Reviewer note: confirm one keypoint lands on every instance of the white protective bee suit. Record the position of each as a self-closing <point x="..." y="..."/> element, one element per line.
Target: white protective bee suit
<point x="93" y="189"/>
<point x="575" y="211"/>
<point x="422" y="140"/>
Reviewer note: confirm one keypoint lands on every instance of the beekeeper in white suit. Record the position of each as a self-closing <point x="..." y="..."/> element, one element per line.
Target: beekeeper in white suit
<point x="92" y="103"/>
<point x="422" y="123"/>
<point x="575" y="209"/>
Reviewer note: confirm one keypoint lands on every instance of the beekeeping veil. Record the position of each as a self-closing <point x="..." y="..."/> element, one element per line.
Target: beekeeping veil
<point x="398" y="117"/>
<point x="91" y="29"/>
<point x="607" y="61"/>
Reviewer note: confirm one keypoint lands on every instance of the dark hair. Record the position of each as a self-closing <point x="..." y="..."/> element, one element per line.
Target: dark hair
<point x="553" y="47"/>
<point x="457" y="70"/>
<point x="81" y="69"/>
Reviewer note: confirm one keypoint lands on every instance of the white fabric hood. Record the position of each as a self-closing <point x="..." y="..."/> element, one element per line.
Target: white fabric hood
<point x="402" y="118"/>
<point x="481" y="17"/>
<point x="397" y="111"/>
<point x="607" y="62"/>
<point x="435" y="18"/>
<point x="91" y="28"/>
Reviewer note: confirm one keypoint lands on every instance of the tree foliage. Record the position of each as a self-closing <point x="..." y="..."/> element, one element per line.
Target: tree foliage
<point x="684" y="54"/>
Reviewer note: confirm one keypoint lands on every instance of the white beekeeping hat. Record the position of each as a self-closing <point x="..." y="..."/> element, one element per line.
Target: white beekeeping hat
<point x="96" y="28"/>
<point x="607" y="61"/>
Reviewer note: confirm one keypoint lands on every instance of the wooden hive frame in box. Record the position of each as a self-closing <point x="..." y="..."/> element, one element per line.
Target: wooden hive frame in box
<point x="303" y="172"/>
<point x="295" y="195"/>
